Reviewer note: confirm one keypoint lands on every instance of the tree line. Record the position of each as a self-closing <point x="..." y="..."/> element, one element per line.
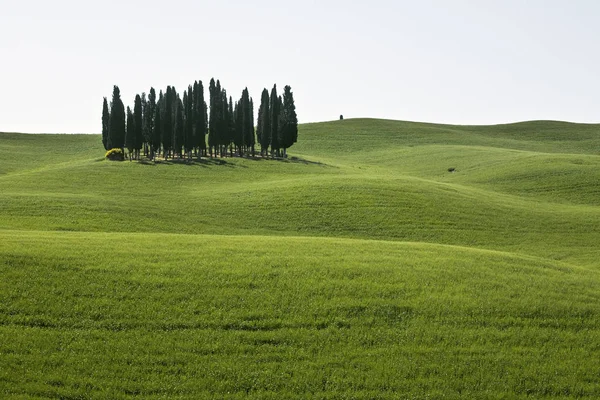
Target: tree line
<point x="177" y="126"/>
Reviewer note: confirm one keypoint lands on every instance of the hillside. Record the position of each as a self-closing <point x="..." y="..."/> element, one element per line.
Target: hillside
<point x="360" y="267"/>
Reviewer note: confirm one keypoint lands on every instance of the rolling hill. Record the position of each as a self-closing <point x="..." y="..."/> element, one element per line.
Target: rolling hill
<point x="360" y="267"/>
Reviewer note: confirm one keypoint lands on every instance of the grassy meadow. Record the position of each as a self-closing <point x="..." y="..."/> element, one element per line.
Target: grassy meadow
<point x="358" y="268"/>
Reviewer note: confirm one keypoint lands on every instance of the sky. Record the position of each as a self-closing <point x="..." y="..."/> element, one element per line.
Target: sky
<point x="444" y="61"/>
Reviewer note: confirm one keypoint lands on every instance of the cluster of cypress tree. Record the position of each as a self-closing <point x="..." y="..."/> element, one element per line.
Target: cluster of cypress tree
<point x="277" y="125"/>
<point x="177" y="126"/>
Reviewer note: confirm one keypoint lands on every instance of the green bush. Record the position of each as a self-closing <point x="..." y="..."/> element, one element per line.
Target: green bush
<point x="115" y="155"/>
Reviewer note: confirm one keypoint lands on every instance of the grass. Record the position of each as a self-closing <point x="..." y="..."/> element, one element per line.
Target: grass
<point x="360" y="268"/>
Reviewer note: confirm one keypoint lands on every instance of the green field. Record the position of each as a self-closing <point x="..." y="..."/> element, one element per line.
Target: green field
<point x="358" y="268"/>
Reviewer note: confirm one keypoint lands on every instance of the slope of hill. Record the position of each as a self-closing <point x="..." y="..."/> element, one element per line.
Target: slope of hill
<point x="360" y="267"/>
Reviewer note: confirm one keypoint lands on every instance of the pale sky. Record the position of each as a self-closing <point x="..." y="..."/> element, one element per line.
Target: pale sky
<point x="447" y="61"/>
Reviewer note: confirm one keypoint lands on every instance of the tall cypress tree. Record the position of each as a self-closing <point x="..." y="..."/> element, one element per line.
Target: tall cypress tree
<point x="288" y="121"/>
<point x="205" y="125"/>
<point x="274" y="114"/>
<point x="158" y="125"/>
<point x="230" y="125"/>
<point x="150" y="117"/>
<point x="190" y="120"/>
<point x="221" y="103"/>
<point x="259" y="128"/>
<point x="237" y="126"/>
<point x="116" y="135"/>
<point x="188" y="141"/>
<point x="167" y="120"/>
<point x="199" y="112"/>
<point x="251" y="128"/>
<point x="105" y="124"/>
<point x="264" y="117"/>
<point x="185" y="124"/>
<point x="145" y="130"/>
<point x="138" y="121"/>
<point x="225" y="138"/>
<point x="179" y="128"/>
<point x="213" y="125"/>
<point x="130" y="133"/>
<point x="247" y="120"/>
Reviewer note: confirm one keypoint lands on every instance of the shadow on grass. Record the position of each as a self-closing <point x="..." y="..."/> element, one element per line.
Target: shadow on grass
<point x="289" y="160"/>
<point x="225" y="161"/>
<point x="202" y="162"/>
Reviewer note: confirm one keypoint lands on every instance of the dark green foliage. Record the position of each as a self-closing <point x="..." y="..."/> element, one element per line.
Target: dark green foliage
<point x="247" y="120"/>
<point x="116" y="135"/>
<point x="238" y="135"/>
<point x="288" y="121"/>
<point x="274" y="107"/>
<point x="264" y="123"/>
<point x="213" y="126"/>
<point x="150" y="117"/>
<point x="219" y="133"/>
<point x="167" y="122"/>
<point x="145" y="137"/>
<point x="200" y="120"/>
<point x="252" y="139"/>
<point x="179" y="128"/>
<point x="188" y="120"/>
<point x="230" y="122"/>
<point x="225" y="124"/>
<point x="179" y="125"/>
<point x="223" y="120"/>
<point x="158" y="128"/>
<point x="105" y="124"/>
<point x="137" y="126"/>
<point x="130" y="133"/>
<point x="259" y="127"/>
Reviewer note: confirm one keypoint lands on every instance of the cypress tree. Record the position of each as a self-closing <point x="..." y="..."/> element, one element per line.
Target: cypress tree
<point x="237" y="126"/>
<point x="187" y="122"/>
<point x="225" y="138"/>
<point x="105" y="124"/>
<point x="158" y="126"/>
<point x="274" y="115"/>
<point x="150" y="117"/>
<point x="167" y="120"/>
<point x="130" y="133"/>
<point x="205" y="124"/>
<point x="179" y="128"/>
<point x="230" y="125"/>
<point x="221" y="103"/>
<point x="288" y="121"/>
<point x="145" y="131"/>
<point x="137" y="126"/>
<point x="247" y="120"/>
<point x="259" y="124"/>
<point x="116" y="133"/>
<point x="264" y="122"/>
<point x="251" y="128"/>
<point x="213" y="121"/>
<point x="200" y="122"/>
<point x="191" y="143"/>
